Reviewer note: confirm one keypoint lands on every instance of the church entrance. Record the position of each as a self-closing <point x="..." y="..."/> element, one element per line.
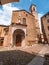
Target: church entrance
<point x="18" y="37"/>
<point x="18" y="40"/>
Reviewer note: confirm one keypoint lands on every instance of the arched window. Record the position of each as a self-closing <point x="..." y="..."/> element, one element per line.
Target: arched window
<point x="1" y="41"/>
<point x="48" y="20"/>
<point x="33" y="8"/>
<point x="6" y="29"/>
<point x="24" y="21"/>
<point x="48" y="27"/>
<point x="0" y="2"/>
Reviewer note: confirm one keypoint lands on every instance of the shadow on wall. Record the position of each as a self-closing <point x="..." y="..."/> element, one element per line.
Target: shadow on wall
<point x="15" y="57"/>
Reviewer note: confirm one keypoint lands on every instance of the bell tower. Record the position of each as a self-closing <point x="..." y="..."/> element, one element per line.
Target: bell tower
<point x="34" y="13"/>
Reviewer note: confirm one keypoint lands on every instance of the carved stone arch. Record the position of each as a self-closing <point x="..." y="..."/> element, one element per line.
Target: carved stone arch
<point x="18" y="37"/>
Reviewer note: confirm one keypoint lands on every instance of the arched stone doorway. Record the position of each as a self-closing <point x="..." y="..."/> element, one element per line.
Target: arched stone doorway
<point x="18" y="37"/>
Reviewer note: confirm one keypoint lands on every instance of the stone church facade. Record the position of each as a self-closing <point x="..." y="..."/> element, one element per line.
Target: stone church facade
<point x="23" y="30"/>
<point x="45" y="27"/>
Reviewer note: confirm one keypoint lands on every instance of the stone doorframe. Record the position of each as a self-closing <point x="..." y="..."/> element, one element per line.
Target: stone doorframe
<point x="22" y="28"/>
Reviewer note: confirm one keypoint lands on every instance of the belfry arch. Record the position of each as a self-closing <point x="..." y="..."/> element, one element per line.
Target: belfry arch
<point x="18" y="37"/>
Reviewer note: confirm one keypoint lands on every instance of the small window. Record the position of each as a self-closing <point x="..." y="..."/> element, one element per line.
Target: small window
<point x="48" y="27"/>
<point x="48" y="13"/>
<point x="26" y="14"/>
<point x="13" y="24"/>
<point x="6" y="30"/>
<point x="0" y="2"/>
<point x="33" y="8"/>
<point x="1" y="41"/>
<point x="48" y="20"/>
<point x="45" y="15"/>
<point x="24" y="21"/>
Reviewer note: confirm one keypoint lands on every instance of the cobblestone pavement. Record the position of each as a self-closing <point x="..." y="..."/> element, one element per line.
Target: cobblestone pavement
<point x="39" y="60"/>
<point x="40" y="49"/>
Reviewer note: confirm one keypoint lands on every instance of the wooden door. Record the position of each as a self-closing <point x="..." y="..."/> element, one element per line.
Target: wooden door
<point x="18" y="40"/>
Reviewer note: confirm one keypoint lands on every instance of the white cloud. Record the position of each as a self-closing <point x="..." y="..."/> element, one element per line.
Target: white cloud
<point x="6" y="13"/>
<point x="30" y="0"/>
<point x="39" y="17"/>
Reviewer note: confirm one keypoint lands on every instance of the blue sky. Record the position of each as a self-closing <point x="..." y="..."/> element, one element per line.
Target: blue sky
<point x="6" y="10"/>
<point x="42" y="5"/>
